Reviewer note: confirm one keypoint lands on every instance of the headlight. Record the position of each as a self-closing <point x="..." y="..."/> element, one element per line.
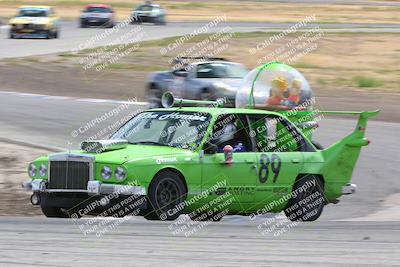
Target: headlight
<point x="120" y="173"/>
<point x="42" y="170"/>
<point x="32" y="170"/>
<point x="106" y="172"/>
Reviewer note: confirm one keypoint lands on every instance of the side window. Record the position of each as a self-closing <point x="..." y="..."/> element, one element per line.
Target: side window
<point x="273" y="134"/>
<point x="233" y="130"/>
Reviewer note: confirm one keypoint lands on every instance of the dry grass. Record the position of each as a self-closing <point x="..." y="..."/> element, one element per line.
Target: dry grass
<point x="340" y="60"/>
<point x="235" y="11"/>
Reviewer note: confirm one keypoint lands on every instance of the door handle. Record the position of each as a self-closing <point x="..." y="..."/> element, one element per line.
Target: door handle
<point x="295" y="161"/>
<point x="255" y="168"/>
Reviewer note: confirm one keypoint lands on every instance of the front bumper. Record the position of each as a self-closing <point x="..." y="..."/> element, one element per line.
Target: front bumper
<point x="96" y="21"/>
<point x="144" y="18"/>
<point x="31" y="34"/>
<point x="349" y="189"/>
<point x="93" y="188"/>
<point x="99" y="199"/>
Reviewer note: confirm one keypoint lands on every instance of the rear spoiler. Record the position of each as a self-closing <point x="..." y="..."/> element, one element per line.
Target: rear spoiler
<point x="356" y="139"/>
<point x="362" y="114"/>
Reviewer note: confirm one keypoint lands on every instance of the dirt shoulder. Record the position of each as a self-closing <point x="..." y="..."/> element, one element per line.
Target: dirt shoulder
<point x="346" y="71"/>
<point x="14" y="160"/>
<point x="122" y="86"/>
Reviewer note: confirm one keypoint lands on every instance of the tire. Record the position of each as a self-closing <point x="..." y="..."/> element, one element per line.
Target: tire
<point x="205" y="94"/>
<point x="11" y="35"/>
<point x="317" y="145"/>
<point x="83" y="25"/>
<point x="50" y="211"/>
<point x="56" y="34"/>
<point x="154" y="97"/>
<point x="308" y="204"/>
<point x="166" y="194"/>
<point x="111" y="24"/>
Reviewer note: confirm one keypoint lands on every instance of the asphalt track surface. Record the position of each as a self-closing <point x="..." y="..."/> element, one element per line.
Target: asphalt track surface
<point x="339" y="238"/>
<point x="72" y="37"/>
<point x="136" y="242"/>
<point x="51" y="121"/>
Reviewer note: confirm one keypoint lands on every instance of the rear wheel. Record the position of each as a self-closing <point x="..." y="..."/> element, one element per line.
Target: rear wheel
<point x="205" y="94"/>
<point x="166" y="195"/>
<point x="308" y="201"/>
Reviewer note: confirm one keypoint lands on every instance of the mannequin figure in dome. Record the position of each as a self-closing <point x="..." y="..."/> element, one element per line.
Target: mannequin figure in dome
<point x="278" y="87"/>
<point x="294" y="94"/>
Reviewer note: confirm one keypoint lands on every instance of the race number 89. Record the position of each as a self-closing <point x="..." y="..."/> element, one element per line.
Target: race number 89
<point x="265" y="163"/>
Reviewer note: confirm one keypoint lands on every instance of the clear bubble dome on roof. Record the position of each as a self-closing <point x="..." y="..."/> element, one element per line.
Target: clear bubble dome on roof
<point x="274" y="86"/>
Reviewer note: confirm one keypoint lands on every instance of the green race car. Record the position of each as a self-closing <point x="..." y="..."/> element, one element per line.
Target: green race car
<point x="206" y="162"/>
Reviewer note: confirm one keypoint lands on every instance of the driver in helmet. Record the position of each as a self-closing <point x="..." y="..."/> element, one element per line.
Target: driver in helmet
<point x="229" y="135"/>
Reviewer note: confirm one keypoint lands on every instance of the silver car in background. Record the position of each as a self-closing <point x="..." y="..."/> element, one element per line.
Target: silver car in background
<point x="97" y="15"/>
<point x="201" y="80"/>
<point x="149" y="12"/>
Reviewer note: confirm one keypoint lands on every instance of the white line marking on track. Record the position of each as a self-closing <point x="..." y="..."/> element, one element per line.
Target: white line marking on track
<point x="87" y="100"/>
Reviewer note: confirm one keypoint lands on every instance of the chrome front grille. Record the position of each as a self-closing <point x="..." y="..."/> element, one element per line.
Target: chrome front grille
<point x="69" y="175"/>
<point x="70" y="172"/>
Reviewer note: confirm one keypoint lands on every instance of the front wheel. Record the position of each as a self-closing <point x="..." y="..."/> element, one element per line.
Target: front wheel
<point x="308" y="200"/>
<point x="166" y="197"/>
<point x="50" y="211"/>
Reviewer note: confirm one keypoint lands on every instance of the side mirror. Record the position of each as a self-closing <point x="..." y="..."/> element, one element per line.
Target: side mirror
<point x="209" y="148"/>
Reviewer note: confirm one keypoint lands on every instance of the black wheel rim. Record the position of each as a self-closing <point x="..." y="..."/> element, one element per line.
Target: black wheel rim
<point x="168" y="194"/>
<point x="308" y="194"/>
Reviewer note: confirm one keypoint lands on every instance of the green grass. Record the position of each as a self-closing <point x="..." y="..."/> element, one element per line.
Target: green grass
<point x="136" y="67"/>
<point x="367" y="82"/>
<point x="321" y="81"/>
<point x="303" y="65"/>
<point x="195" y="5"/>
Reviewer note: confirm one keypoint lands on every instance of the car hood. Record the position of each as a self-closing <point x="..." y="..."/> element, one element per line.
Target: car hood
<point x="139" y="152"/>
<point x="34" y="20"/>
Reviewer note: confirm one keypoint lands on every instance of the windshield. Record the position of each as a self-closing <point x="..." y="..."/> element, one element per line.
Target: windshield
<point x="220" y="70"/>
<point x="144" y="8"/>
<point x="32" y="13"/>
<point x="165" y="128"/>
<point x="98" y="10"/>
